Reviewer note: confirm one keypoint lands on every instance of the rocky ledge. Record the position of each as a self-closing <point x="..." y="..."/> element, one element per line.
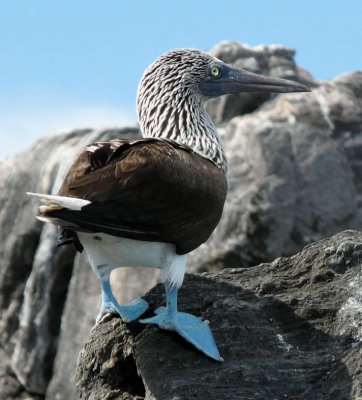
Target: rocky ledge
<point x="290" y="329"/>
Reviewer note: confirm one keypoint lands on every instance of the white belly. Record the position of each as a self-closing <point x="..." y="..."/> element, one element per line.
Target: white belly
<point x="116" y="252"/>
<point x="121" y="252"/>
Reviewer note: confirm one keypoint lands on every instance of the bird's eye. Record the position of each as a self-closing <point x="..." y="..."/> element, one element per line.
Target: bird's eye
<point x="215" y="70"/>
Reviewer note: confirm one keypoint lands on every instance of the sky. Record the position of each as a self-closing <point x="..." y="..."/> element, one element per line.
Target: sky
<point x="76" y="64"/>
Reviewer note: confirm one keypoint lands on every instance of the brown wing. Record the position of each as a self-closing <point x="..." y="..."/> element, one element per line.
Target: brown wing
<point x="149" y="189"/>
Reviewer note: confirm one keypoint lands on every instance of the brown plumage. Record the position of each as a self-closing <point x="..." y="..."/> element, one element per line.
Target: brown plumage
<point x="148" y="189"/>
<point x="156" y="199"/>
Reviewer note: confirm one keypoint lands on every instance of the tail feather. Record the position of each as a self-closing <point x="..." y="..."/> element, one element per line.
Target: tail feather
<point x="56" y="202"/>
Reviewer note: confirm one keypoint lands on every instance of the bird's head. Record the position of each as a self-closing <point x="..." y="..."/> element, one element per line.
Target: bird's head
<point x="193" y="72"/>
<point x="173" y="89"/>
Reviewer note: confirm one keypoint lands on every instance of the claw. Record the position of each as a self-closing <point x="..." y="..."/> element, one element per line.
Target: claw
<point x="103" y="317"/>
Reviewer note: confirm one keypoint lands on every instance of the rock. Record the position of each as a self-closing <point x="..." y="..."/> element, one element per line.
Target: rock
<point x="78" y="317"/>
<point x="294" y="177"/>
<point x="44" y="296"/>
<point x="289" y="329"/>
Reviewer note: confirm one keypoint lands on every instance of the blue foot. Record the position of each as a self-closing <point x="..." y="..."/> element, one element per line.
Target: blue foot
<point x="133" y="310"/>
<point x="128" y="312"/>
<point x="191" y="328"/>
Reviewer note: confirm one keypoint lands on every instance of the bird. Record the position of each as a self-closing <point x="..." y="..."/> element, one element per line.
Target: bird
<point x="151" y="201"/>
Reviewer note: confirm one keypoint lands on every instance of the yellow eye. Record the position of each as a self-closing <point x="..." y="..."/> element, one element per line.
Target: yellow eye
<point x="215" y="70"/>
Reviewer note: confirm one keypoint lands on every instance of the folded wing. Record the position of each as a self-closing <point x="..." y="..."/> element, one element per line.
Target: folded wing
<point x="148" y="189"/>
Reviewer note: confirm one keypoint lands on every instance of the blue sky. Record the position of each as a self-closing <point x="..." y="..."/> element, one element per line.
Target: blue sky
<point x="69" y="63"/>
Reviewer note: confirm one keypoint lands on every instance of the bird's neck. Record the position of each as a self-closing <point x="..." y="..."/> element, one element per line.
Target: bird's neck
<point x="185" y="121"/>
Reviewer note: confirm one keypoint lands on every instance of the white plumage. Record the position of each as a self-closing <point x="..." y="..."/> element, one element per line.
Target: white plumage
<point x="116" y="252"/>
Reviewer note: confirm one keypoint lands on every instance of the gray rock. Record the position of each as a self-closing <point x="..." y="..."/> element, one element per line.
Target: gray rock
<point x="44" y="295"/>
<point x="289" y="329"/>
<point x="78" y="318"/>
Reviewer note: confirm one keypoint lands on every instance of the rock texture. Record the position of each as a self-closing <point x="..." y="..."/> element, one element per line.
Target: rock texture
<point x="295" y="174"/>
<point x="290" y="329"/>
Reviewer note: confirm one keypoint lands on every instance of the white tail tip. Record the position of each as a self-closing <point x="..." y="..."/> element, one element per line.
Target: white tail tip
<point x="72" y="203"/>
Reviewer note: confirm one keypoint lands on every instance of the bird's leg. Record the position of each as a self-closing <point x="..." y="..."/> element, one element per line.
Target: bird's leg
<point x="128" y="312"/>
<point x="191" y="328"/>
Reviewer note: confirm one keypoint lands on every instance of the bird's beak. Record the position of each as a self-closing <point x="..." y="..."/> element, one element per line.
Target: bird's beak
<point x="235" y="80"/>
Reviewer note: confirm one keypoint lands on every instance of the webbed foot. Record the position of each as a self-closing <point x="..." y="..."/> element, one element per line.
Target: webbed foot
<point x="191" y="328"/>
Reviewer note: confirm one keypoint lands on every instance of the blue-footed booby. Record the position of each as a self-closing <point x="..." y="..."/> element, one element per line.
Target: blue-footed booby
<point x="150" y="202"/>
